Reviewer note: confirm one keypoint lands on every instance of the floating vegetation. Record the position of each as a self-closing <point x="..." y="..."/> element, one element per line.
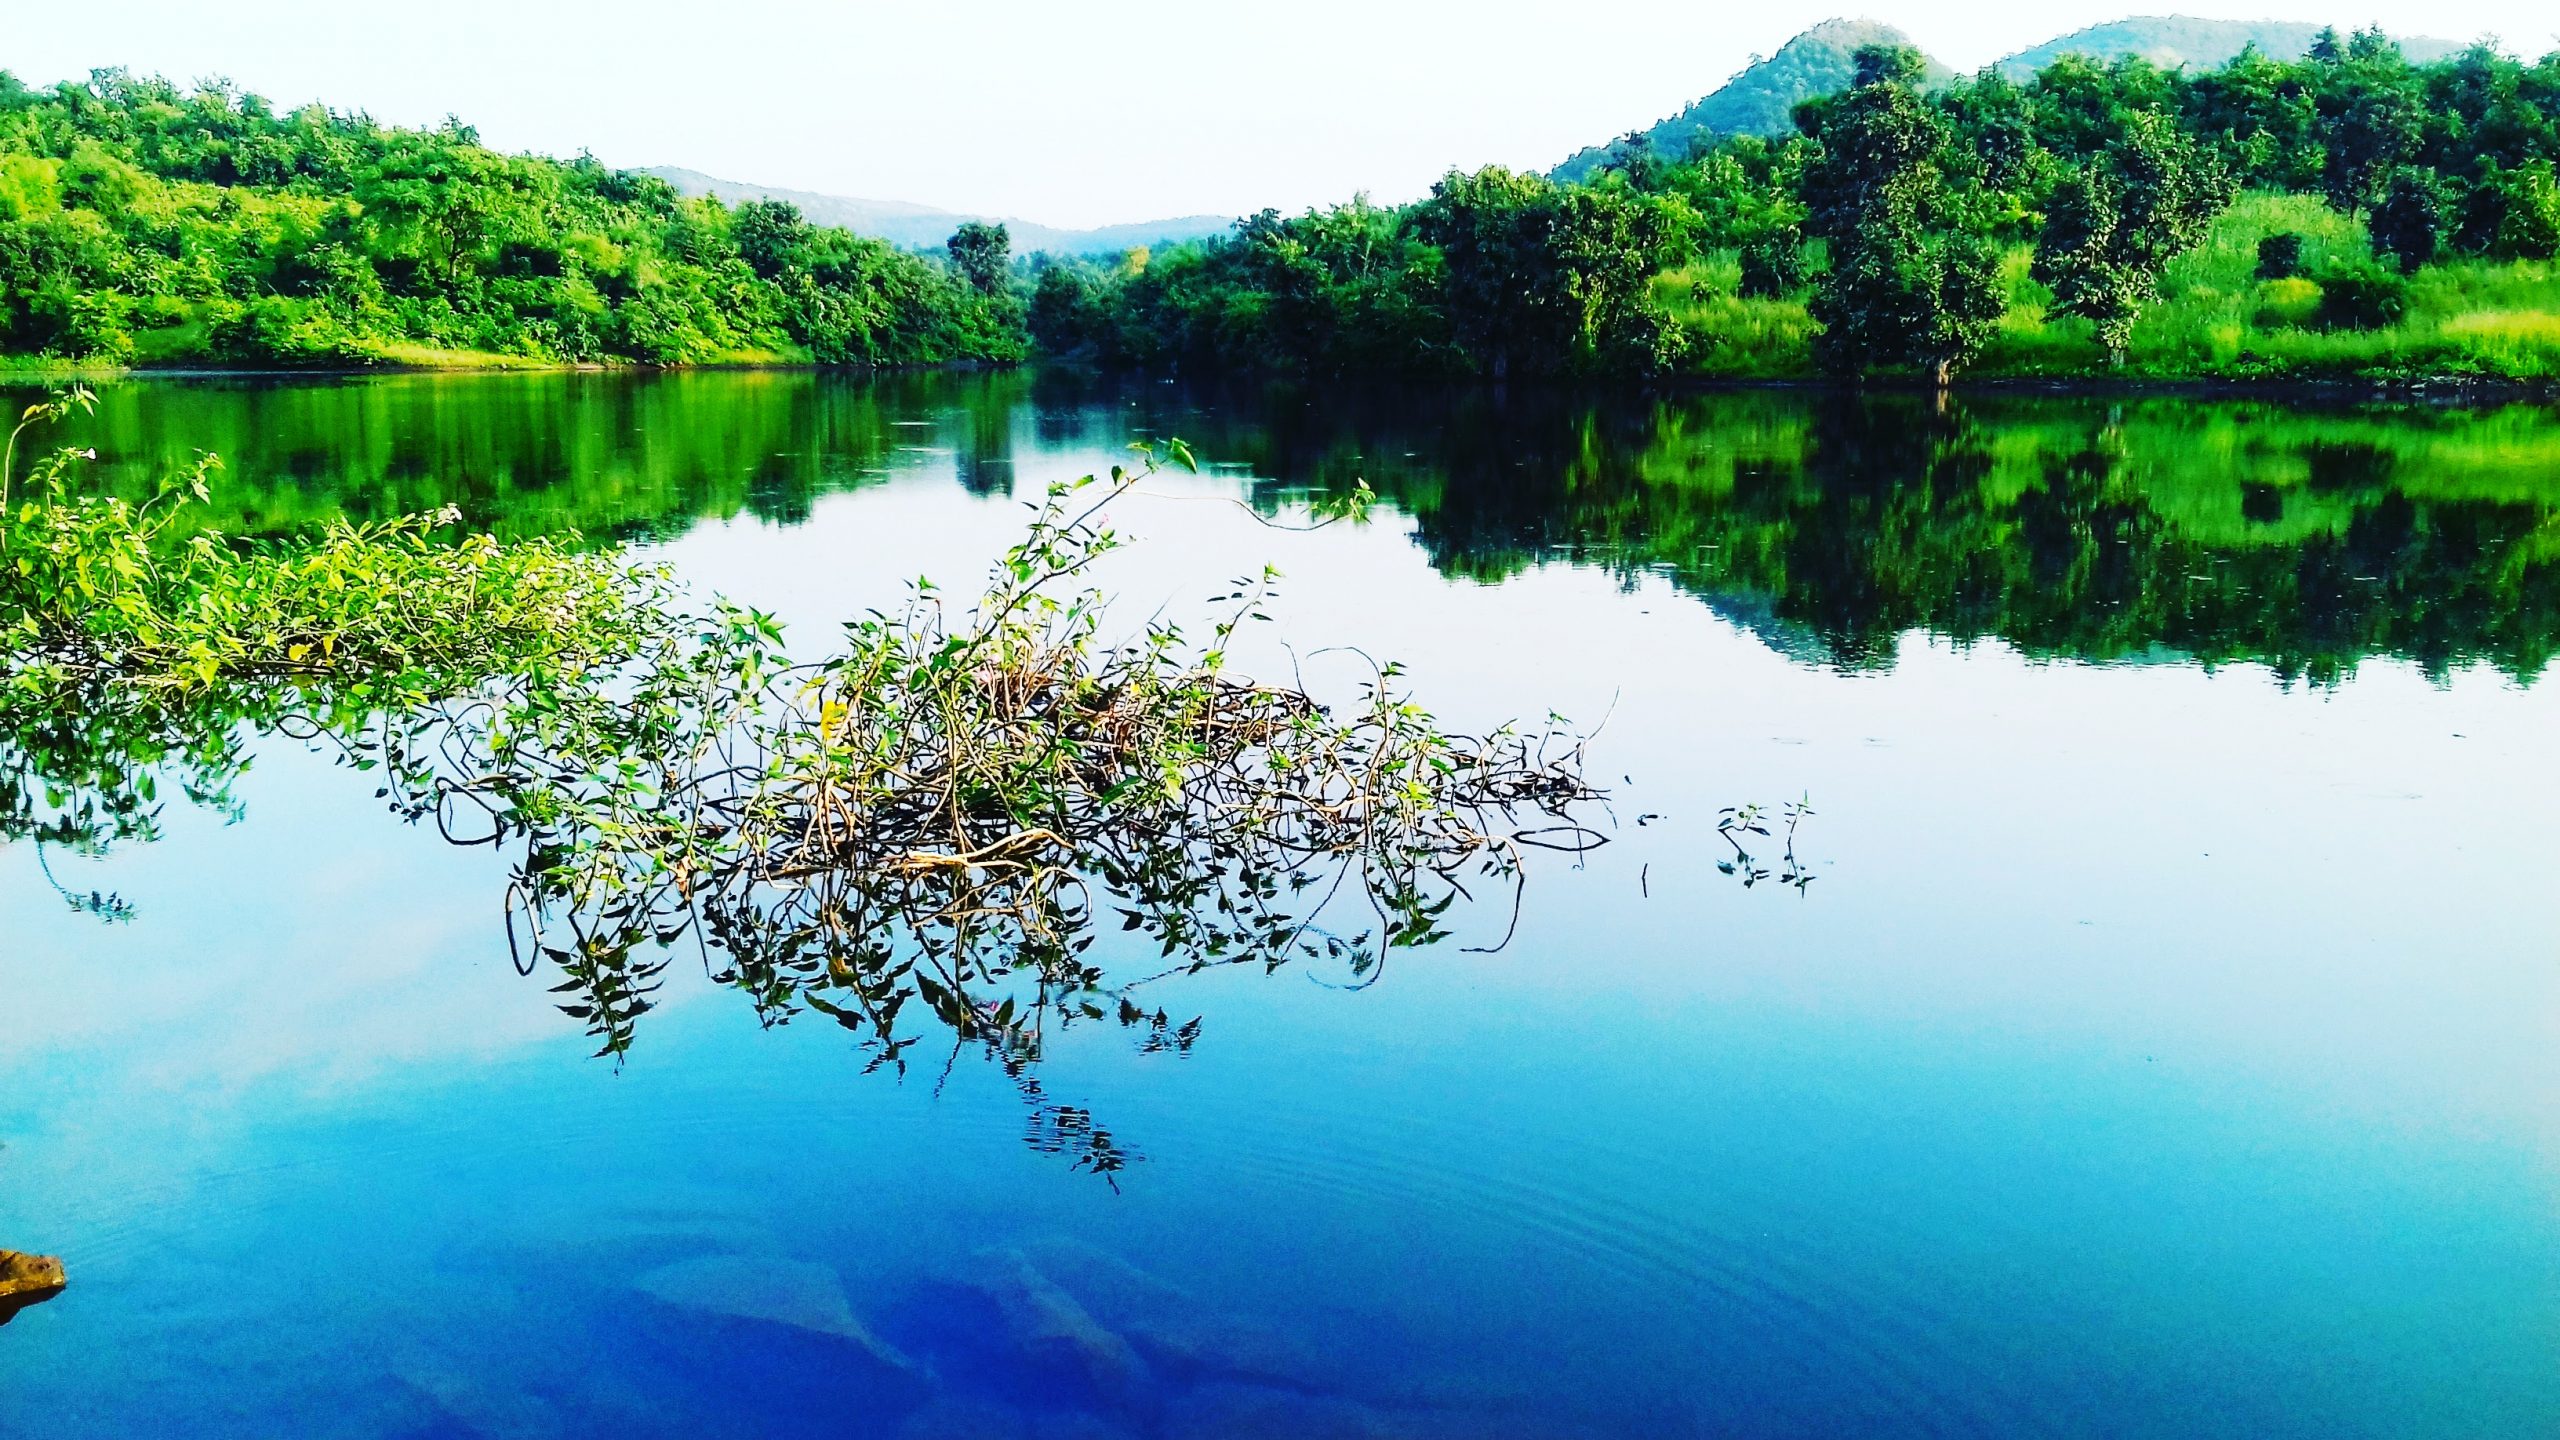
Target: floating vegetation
<point x="942" y="819"/>
<point x="1736" y="825"/>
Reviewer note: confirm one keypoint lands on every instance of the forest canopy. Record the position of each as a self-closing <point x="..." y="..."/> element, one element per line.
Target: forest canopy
<point x="140" y="222"/>
<point x="2347" y="213"/>
<point x="2408" y="215"/>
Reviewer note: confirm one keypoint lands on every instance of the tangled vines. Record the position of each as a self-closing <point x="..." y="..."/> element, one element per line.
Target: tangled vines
<point x="943" y="810"/>
<point x="948" y="810"/>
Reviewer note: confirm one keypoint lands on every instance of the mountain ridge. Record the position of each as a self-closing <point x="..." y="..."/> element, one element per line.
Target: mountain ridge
<point x="2170" y="41"/>
<point x="1757" y="98"/>
<point x="911" y="226"/>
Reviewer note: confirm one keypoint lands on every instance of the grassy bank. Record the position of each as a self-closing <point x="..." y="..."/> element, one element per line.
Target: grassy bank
<point x="2216" y="318"/>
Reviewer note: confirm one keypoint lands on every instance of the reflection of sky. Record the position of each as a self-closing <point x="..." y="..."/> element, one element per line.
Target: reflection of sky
<point x="2159" y="1053"/>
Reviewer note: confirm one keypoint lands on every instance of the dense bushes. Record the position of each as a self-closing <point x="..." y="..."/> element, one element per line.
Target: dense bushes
<point x="1496" y="273"/>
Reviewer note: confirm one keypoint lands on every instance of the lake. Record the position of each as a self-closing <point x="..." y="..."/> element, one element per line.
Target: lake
<point x="2154" y="1029"/>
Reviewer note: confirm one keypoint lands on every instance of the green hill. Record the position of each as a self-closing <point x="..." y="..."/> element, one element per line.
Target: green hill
<point x="2170" y="41"/>
<point x="1757" y="101"/>
<point x="145" y="224"/>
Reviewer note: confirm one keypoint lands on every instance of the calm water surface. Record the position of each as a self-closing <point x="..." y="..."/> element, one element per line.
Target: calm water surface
<point x="2168" y="1044"/>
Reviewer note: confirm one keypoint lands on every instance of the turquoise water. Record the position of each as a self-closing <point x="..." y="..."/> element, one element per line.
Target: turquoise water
<point x="2164" y="1047"/>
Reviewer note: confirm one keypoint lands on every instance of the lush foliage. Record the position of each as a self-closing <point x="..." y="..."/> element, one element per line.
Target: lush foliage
<point x="1496" y="273"/>
<point x="1912" y="282"/>
<point x="97" y="588"/>
<point x="2069" y="223"/>
<point x="143" y="223"/>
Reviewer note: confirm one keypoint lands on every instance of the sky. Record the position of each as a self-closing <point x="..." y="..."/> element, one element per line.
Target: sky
<point x="1066" y="113"/>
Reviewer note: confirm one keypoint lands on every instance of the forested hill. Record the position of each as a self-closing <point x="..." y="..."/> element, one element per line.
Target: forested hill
<point x="2175" y="41"/>
<point x="2346" y="215"/>
<point x="142" y="223"/>
<point x="1759" y="100"/>
<point x="922" y="226"/>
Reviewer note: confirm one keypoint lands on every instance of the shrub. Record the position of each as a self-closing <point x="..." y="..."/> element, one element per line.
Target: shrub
<point x="2280" y="256"/>
<point x="2294" y="301"/>
<point x="2408" y="223"/>
<point x="1774" y="266"/>
<point x="2362" y="296"/>
<point x="2529" y="225"/>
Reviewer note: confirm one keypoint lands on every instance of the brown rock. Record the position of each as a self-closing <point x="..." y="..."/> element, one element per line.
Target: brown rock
<point x="27" y="1280"/>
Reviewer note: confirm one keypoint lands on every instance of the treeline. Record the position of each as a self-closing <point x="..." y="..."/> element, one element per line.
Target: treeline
<point x="1900" y="216"/>
<point x="1836" y="524"/>
<point x="139" y="222"/>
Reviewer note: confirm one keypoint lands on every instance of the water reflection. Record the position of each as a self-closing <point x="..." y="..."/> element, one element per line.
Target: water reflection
<point x="1834" y="525"/>
<point x="941" y="813"/>
<point x="2099" y="1087"/>
<point x="2306" y="539"/>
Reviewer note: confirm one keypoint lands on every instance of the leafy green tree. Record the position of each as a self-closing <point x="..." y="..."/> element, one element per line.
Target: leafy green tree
<point x="2373" y="121"/>
<point x="2529" y="213"/>
<point x="1542" y="279"/>
<point x="1774" y="265"/>
<point x="2261" y="118"/>
<point x="2113" y="228"/>
<point x="983" y="254"/>
<point x="1742" y="195"/>
<point x="1064" y="317"/>
<point x="2408" y="222"/>
<point x="771" y="236"/>
<point x="1911" y="282"/>
<point x="2360" y="295"/>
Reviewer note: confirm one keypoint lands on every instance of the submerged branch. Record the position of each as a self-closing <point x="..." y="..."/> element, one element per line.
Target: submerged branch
<point x="942" y="811"/>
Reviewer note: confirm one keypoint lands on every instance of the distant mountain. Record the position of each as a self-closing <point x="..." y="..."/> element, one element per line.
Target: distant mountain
<point x="1759" y="99"/>
<point x="2170" y="41"/>
<point x="912" y="226"/>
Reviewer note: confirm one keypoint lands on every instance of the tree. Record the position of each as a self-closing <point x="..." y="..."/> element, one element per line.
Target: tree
<point x="983" y="254"/>
<point x="1542" y="279"/>
<point x="771" y="237"/>
<point x="1911" y="281"/>
<point x="2529" y="219"/>
<point x="2373" y="120"/>
<point x="1063" y="310"/>
<point x="2113" y="228"/>
<point x="2279" y="256"/>
<point x="2408" y="222"/>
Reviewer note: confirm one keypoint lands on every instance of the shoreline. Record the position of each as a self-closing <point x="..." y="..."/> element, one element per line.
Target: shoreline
<point x="2447" y="391"/>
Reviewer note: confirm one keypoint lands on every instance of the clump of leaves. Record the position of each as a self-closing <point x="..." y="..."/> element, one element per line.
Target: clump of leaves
<point x="943" y="809"/>
<point x="99" y="589"/>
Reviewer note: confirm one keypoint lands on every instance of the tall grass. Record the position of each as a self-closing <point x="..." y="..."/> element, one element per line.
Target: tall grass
<point x="1732" y="336"/>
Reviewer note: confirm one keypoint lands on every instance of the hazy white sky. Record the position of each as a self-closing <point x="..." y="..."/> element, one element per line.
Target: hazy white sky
<point x="1061" y="112"/>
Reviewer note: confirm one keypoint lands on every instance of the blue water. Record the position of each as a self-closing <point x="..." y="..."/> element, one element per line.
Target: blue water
<point x="2162" y="1050"/>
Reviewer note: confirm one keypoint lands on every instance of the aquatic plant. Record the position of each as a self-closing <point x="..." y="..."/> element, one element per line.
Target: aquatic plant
<point x="944" y="811"/>
<point x="101" y="588"/>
